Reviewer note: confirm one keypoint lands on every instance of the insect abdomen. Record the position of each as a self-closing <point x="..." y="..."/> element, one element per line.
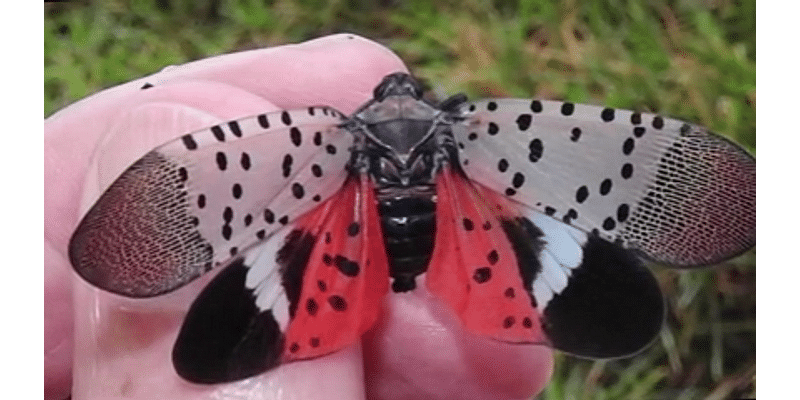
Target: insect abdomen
<point x="408" y="232"/>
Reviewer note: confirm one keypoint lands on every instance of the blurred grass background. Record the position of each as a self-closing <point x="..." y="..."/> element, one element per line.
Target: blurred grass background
<point x="690" y="59"/>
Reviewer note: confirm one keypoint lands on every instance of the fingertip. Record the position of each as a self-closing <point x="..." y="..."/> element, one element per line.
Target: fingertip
<point x="343" y="69"/>
<point x="339" y="375"/>
<point x="338" y="70"/>
<point x="157" y="115"/>
<point x="421" y="347"/>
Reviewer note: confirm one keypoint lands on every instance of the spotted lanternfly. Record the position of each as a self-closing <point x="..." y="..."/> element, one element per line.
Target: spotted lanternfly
<point x="531" y="220"/>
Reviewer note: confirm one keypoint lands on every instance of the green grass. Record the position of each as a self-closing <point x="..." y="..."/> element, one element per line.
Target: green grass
<point x="683" y="58"/>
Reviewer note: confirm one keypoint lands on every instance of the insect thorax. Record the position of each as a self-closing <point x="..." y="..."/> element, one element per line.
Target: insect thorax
<point x="401" y="142"/>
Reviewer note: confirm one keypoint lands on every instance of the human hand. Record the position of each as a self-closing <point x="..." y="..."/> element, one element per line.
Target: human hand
<point x="123" y="346"/>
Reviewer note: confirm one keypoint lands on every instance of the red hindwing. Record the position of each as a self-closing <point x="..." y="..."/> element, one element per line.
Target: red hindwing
<point x="474" y="268"/>
<point x="346" y="277"/>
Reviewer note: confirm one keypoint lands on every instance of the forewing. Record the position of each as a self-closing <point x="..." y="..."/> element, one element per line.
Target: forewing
<point x="673" y="191"/>
<point x="312" y="288"/>
<point x="196" y="201"/>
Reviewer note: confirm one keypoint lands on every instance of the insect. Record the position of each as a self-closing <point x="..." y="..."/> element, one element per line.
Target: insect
<point x="531" y="219"/>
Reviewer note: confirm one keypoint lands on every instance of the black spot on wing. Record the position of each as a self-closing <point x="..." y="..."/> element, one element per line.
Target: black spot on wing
<point x="269" y="216"/>
<point x="235" y="129"/>
<point x="627" y="170"/>
<point x="527" y="322"/>
<point x="493" y="129"/>
<point x="627" y="147"/>
<point x="658" y="122"/>
<point x="518" y="180"/>
<point x="353" y="229"/>
<point x="502" y="165"/>
<point x="493" y="257"/>
<point x="286" y="165"/>
<point x="524" y="122"/>
<point x="311" y="307"/>
<point x="576" y="134"/>
<point x="482" y="275"/>
<point x="298" y="191"/>
<point x="605" y="186"/>
<point x="222" y="161"/>
<point x="346" y="266"/>
<point x="468" y="224"/>
<point x="189" y="142"/>
<point x="263" y="121"/>
<point x="337" y="303"/>
<point x="296" y="136"/>
<point x="218" y="133"/>
<point x="612" y="305"/>
<point x="536" y="149"/>
<point x="224" y="336"/>
<point x="245" y="161"/>
<point x="227" y="214"/>
<point x="607" y="115"/>
<point x="581" y="194"/>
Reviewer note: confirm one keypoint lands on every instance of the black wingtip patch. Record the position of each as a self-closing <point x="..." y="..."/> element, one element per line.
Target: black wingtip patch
<point x="225" y="337"/>
<point x="612" y="305"/>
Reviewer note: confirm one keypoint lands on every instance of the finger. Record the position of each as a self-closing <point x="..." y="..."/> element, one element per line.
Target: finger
<point x="57" y="327"/>
<point x="421" y="350"/>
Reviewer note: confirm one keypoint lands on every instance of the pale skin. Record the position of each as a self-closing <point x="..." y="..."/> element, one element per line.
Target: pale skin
<point x="117" y="348"/>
